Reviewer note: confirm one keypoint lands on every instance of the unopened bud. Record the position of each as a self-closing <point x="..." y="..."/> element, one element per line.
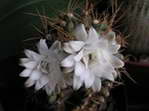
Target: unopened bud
<point x="105" y="92"/>
<point x="95" y="21"/>
<point x="86" y="13"/>
<point x="108" y="84"/>
<point x="101" y="99"/>
<point x="70" y="14"/>
<point x="63" y="23"/>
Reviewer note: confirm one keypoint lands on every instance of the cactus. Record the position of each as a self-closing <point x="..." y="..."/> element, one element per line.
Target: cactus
<point x="138" y="26"/>
<point x="99" y="39"/>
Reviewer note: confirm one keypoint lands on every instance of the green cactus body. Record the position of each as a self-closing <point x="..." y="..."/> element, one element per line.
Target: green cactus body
<point x="138" y="27"/>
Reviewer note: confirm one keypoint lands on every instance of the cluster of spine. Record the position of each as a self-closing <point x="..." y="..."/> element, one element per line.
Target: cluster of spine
<point x="61" y="27"/>
<point x="96" y="101"/>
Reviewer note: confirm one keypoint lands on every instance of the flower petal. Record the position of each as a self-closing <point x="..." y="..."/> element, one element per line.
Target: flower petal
<point x="68" y="49"/>
<point x="84" y="74"/>
<point x="93" y="36"/>
<point x="77" y="82"/>
<point x="79" y="69"/>
<point x="24" y="60"/>
<point x="111" y="36"/>
<point x="56" y="45"/>
<point x="48" y="90"/>
<point x="76" y="45"/>
<point x="38" y="85"/>
<point x="114" y="48"/>
<point x="29" y="82"/>
<point x="97" y="70"/>
<point x="85" y="60"/>
<point x="50" y="87"/>
<point x="32" y="55"/>
<point x="89" y="79"/>
<point x="115" y="74"/>
<point x="116" y="62"/>
<point x="105" y="57"/>
<point x="29" y="65"/>
<point x="80" y="32"/>
<point x="103" y="43"/>
<point x="108" y="76"/>
<point x="41" y="82"/>
<point x="79" y="56"/>
<point x="42" y="47"/>
<point x="68" y="61"/>
<point x="100" y="70"/>
<point x="26" y="73"/>
<point x="96" y="85"/>
<point x="35" y="75"/>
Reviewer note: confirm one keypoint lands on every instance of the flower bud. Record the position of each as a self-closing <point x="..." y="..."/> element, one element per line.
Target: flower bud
<point x="95" y="21"/>
<point x="70" y="15"/>
<point x="105" y="92"/>
<point x="101" y="99"/>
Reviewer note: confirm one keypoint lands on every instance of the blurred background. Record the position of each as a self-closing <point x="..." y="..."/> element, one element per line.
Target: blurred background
<point x="16" y="26"/>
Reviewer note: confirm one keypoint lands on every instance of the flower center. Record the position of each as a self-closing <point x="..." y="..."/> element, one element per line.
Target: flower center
<point x="93" y="57"/>
<point x="44" y="66"/>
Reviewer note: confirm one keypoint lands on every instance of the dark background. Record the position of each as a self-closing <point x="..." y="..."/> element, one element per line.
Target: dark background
<point x="16" y="26"/>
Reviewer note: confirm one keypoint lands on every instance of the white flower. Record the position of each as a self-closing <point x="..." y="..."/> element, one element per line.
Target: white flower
<point x="43" y="69"/>
<point x="92" y="58"/>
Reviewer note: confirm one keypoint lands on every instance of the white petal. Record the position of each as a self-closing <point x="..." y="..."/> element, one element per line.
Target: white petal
<point x="85" y="60"/>
<point x="79" y="56"/>
<point x="24" y="60"/>
<point x="114" y="48"/>
<point x="79" y="69"/>
<point x="38" y="85"/>
<point x="89" y="79"/>
<point x="42" y="47"/>
<point x="116" y="62"/>
<point x="115" y="74"/>
<point x="111" y="36"/>
<point x="97" y="70"/>
<point x="77" y="82"/>
<point x="50" y="88"/>
<point x="120" y="56"/>
<point x="103" y="43"/>
<point x="41" y="82"/>
<point x="29" y="82"/>
<point x="32" y="55"/>
<point x="96" y="85"/>
<point x="35" y="75"/>
<point x="93" y="36"/>
<point x="108" y="68"/>
<point x="76" y="45"/>
<point x="26" y="73"/>
<point x="80" y="32"/>
<point x="108" y="76"/>
<point x="105" y="56"/>
<point x="84" y="74"/>
<point x="100" y="69"/>
<point x="56" y="45"/>
<point x="29" y="65"/>
<point x="68" y="49"/>
<point x="68" y="61"/>
<point x="44" y="79"/>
